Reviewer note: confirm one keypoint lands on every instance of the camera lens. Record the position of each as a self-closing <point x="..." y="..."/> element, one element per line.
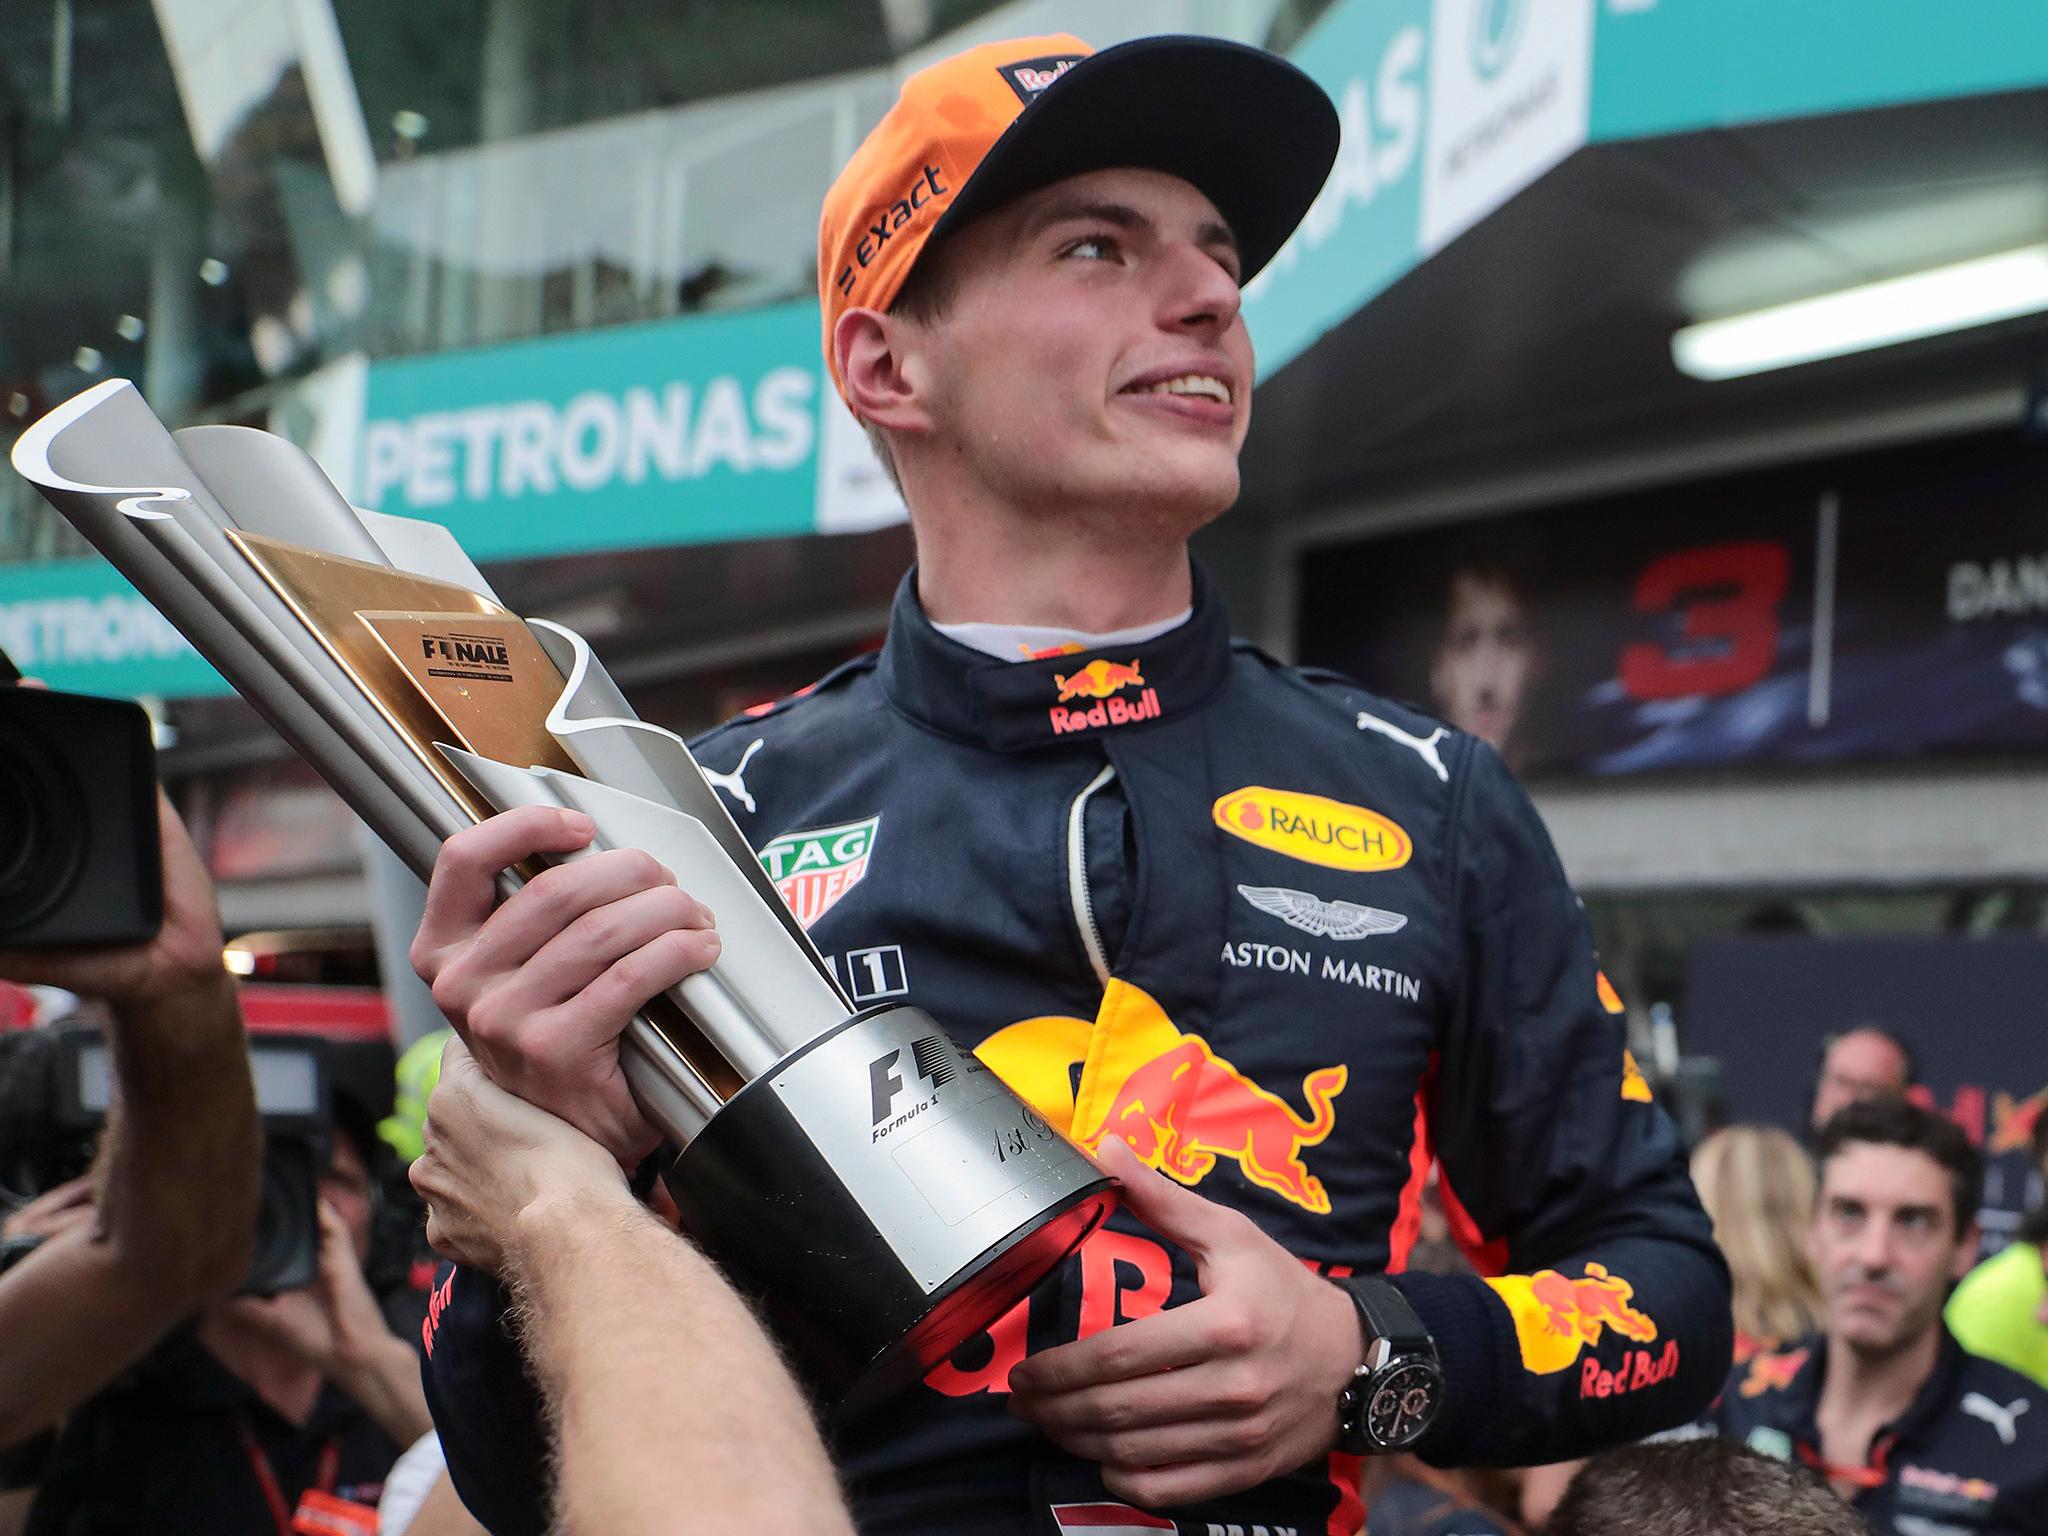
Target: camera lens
<point x="42" y="836"/>
<point x="287" y="1253"/>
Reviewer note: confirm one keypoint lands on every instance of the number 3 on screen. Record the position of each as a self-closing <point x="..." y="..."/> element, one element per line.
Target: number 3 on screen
<point x="1729" y="640"/>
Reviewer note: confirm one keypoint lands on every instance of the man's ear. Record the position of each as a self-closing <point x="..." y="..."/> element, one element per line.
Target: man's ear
<point x="880" y="383"/>
<point x="1966" y="1252"/>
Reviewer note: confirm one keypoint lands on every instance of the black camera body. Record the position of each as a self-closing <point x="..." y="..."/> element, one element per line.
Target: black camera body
<point x="79" y="856"/>
<point x="67" y="1074"/>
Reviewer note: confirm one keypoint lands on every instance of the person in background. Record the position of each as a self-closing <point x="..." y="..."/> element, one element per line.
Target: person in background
<point x="1904" y="1423"/>
<point x="1699" y="1488"/>
<point x="1758" y="1186"/>
<point x="667" y="1395"/>
<point x="1486" y="657"/>
<point x="270" y="1410"/>
<point x="167" y="1220"/>
<point x="1863" y="1063"/>
<point x="2000" y="1311"/>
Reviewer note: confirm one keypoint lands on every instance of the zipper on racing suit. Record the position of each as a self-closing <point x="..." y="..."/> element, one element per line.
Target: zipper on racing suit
<point x="1077" y="873"/>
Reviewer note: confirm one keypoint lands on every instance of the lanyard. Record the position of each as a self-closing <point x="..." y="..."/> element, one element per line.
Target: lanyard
<point x="266" y="1478"/>
<point x="1871" y="1475"/>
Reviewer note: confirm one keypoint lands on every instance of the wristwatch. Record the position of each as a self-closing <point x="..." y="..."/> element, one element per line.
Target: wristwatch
<point x="1395" y="1396"/>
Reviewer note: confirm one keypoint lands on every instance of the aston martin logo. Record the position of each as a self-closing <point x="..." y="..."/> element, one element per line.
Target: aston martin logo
<point x="1324" y="919"/>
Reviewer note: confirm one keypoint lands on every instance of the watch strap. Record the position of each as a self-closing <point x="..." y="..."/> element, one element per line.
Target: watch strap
<point x="1387" y="1316"/>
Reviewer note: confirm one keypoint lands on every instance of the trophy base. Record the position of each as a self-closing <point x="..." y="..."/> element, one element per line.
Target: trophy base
<point x="884" y="1197"/>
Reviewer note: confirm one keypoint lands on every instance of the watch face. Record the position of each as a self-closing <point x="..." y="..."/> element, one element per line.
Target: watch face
<point x="1401" y="1405"/>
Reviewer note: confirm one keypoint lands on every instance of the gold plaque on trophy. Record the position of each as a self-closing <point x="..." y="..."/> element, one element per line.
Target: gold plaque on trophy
<point x="440" y="662"/>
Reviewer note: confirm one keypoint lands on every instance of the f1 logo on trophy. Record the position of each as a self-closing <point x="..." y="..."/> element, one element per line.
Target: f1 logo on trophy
<point x="377" y="649"/>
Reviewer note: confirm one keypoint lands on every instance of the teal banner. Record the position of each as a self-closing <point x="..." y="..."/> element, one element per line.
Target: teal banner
<point x="79" y="626"/>
<point x="1360" y="235"/>
<point x="716" y="427"/>
<point x="678" y="432"/>
<point x="1670" y="66"/>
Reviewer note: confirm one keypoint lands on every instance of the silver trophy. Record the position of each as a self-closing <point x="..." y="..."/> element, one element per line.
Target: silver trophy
<point x="876" y="1240"/>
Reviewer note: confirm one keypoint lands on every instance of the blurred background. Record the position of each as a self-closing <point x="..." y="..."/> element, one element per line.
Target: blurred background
<point x="1658" y="389"/>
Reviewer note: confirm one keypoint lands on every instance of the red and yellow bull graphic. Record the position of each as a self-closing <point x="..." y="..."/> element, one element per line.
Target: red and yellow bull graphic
<point x="1313" y="829"/>
<point x="1558" y="1317"/>
<point x="1101" y="680"/>
<point x="1179" y="1105"/>
<point x="1772" y="1373"/>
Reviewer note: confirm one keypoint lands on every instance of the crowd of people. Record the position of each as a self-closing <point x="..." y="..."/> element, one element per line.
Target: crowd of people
<point x="1031" y="300"/>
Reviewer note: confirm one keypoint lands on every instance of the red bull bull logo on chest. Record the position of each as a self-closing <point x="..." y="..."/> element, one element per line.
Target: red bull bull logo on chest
<point x="1181" y="1107"/>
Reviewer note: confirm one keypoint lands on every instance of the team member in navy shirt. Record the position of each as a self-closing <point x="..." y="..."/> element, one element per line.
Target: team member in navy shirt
<point x="1921" y="1436"/>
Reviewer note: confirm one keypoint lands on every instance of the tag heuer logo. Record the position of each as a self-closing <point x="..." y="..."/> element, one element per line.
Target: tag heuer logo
<point x="814" y="869"/>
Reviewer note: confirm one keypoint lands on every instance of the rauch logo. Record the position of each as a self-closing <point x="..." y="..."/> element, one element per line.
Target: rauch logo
<point x="1313" y="829"/>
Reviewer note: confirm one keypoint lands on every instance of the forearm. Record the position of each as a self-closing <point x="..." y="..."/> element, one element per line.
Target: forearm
<point x="175" y="1215"/>
<point x="1533" y="1374"/>
<point x="383" y="1378"/>
<point x="665" y="1392"/>
<point x="178" y="1177"/>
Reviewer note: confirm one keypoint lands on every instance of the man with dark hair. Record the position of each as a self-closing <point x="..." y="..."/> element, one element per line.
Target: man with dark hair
<point x="1918" y="1434"/>
<point x="1698" y="1488"/>
<point x="1862" y="1063"/>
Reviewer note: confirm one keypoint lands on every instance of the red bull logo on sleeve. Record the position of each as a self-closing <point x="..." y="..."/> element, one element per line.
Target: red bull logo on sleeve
<point x="1557" y="1316"/>
<point x="1181" y="1107"/>
<point x="1102" y="681"/>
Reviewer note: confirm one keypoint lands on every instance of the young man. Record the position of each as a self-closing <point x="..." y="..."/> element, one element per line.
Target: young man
<point x="1916" y="1433"/>
<point x="1286" y="940"/>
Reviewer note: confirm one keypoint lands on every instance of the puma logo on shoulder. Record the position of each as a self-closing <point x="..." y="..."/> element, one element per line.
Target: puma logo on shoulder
<point x="735" y="783"/>
<point x="1423" y="747"/>
<point x="2003" y="1419"/>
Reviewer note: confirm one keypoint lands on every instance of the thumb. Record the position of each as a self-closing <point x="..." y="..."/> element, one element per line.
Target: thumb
<point x="1173" y="1211"/>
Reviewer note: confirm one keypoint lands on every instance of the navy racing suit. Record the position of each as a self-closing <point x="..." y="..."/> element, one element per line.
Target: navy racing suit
<point x="1292" y="942"/>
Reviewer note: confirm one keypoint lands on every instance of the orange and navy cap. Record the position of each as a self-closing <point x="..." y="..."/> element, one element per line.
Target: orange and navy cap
<point x="973" y="131"/>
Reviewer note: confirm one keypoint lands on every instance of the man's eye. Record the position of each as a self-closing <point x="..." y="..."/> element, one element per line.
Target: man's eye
<point x="1093" y="248"/>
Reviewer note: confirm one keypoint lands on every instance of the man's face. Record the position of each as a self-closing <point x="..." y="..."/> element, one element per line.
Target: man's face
<point x="1482" y="666"/>
<point x="1861" y="1065"/>
<point x="1092" y="353"/>
<point x="1884" y="1242"/>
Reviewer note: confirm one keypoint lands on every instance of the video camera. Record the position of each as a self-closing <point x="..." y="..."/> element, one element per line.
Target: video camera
<point x="79" y="857"/>
<point x="57" y="1084"/>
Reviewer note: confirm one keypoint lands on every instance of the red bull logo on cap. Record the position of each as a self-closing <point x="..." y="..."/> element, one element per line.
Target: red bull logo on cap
<point x="1181" y="1107"/>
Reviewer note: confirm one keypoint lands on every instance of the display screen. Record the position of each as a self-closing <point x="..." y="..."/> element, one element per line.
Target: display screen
<point x="287" y="1079"/>
<point x="1879" y="606"/>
